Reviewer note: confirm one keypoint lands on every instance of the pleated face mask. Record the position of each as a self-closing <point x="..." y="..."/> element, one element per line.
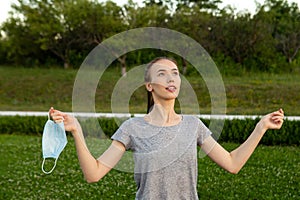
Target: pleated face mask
<point x="54" y="141"/>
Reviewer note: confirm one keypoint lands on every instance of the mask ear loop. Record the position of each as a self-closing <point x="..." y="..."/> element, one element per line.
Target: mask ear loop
<point x="49" y="172"/>
<point x="49" y="118"/>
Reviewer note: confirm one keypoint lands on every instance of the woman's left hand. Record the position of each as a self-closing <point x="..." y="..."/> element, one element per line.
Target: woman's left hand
<point x="273" y="120"/>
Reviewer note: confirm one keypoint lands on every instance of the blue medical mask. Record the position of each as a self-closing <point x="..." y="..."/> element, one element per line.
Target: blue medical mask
<point x="53" y="142"/>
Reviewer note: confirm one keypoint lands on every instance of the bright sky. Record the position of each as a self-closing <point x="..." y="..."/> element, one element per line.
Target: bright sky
<point x="238" y="4"/>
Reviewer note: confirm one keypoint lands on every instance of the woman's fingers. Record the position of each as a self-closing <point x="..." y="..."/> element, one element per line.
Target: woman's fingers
<point x="56" y="115"/>
<point x="278" y="113"/>
<point x="277" y="119"/>
<point x="58" y="119"/>
<point x="281" y="111"/>
<point x="274" y="120"/>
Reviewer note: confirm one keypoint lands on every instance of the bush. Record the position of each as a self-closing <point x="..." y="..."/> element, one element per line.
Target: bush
<point x="90" y="127"/>
<point x="22" y="125"/>
<point x="236" y="130"/>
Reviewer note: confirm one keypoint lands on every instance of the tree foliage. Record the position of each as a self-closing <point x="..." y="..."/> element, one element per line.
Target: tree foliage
<point x="63" y="32"/>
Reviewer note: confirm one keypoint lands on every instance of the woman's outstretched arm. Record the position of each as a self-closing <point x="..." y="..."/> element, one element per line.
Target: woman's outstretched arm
<point x="236" y="159"/>
<point x="93" y="169"/>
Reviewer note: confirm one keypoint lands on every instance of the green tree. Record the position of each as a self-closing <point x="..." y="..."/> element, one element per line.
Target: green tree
<point x="151" y="15"/>
<point x="204" y="5"/>
<point x="154" y="15"/>
<point x="286" y="22"/>
<point x="281" y="33"/>
<point x="195" y="23"/>
<point x="65" y="28"/>
<point x="21" y="48"/>
<point x="93" y="23"/>
<point x="3" y="50"/>
<point x="238" y="37"/>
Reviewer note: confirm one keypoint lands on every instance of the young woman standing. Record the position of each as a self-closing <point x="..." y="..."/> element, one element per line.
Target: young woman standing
<point x="164" y="143"/>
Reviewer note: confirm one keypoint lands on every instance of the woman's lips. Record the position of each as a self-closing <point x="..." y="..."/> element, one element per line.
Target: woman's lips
<point x="171" y="88"/>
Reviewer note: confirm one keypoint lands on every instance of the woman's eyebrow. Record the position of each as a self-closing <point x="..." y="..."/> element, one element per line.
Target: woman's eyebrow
<point x="161" y="70"/>
<point x="164" y="70"/>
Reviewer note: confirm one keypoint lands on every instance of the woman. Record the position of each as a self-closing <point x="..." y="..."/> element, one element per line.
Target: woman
<point x="164" y="143"/>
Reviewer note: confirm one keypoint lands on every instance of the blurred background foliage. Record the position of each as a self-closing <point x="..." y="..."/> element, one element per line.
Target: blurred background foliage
<point x="47" y="33"/>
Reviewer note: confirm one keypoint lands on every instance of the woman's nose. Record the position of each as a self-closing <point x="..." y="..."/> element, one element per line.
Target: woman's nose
<point x="170" y="79"/>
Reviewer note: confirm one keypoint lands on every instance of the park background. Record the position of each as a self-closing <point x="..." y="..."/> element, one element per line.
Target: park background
<point x="43" y="44"/>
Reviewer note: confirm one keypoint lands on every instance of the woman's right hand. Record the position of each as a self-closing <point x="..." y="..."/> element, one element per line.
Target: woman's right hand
<point x="71" y="124"/>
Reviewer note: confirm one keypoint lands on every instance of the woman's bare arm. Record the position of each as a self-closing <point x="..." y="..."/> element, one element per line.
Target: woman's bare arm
<point x="93" y="169"/>
<point x="236" y="159"/>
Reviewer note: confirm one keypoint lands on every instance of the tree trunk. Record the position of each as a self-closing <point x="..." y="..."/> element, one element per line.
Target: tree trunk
<point x="123" y="70"/>
<point x="66" y="65"/>
<point x="184" y="66"/>
<point x="122" y="60"/>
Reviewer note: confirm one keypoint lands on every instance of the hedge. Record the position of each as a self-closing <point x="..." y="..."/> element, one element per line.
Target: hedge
<point x="236" y="130"/>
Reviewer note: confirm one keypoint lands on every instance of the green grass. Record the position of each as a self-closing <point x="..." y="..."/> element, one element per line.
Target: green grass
<point x="34" y="89"/>
<point x="271" y="173"/>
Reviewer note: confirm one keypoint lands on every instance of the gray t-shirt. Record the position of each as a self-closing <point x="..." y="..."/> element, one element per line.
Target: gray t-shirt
<point x="165" y="157"/>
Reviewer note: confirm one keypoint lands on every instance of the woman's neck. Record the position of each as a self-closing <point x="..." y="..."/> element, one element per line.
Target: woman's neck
<point x="163" y="115"/>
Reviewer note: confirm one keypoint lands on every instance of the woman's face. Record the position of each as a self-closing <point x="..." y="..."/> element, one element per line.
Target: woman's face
<point x="165" y="80"/>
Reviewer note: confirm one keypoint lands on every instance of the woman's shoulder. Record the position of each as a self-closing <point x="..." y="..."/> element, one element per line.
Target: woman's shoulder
<point x="133" y="121"/>
<point x="194" y="121"/>
<point x="192" y="118"/>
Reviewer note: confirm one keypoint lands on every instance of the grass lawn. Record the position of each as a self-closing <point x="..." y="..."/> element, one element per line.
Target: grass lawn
<point x="35" y="89"/>
<point x="271" y="173"/>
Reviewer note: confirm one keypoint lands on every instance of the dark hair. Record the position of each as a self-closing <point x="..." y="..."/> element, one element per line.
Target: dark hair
<point x="147" y="78"/>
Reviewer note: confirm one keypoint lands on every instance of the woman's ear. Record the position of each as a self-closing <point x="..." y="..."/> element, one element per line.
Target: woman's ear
<point x="148" y="86"/>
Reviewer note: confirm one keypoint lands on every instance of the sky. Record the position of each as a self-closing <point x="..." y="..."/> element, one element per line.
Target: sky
<point x="248" y="5"/>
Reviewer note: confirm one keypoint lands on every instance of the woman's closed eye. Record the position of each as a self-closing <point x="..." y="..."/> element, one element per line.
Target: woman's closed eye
<point x="161" y="74"/>
<point x="175" y="73"/>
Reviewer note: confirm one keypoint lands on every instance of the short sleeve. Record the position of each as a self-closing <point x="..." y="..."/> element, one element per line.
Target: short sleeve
<point x="202" y="132"/>
<point x="122" y="134"/>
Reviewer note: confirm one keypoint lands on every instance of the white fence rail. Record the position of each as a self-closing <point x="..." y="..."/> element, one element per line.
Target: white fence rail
<point x="122" y="115"/>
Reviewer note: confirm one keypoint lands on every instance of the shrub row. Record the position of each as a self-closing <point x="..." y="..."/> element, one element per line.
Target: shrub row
<point x="238" y="131"/>
<point x="235" y="130"/>
<point x="34" y="125"/>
